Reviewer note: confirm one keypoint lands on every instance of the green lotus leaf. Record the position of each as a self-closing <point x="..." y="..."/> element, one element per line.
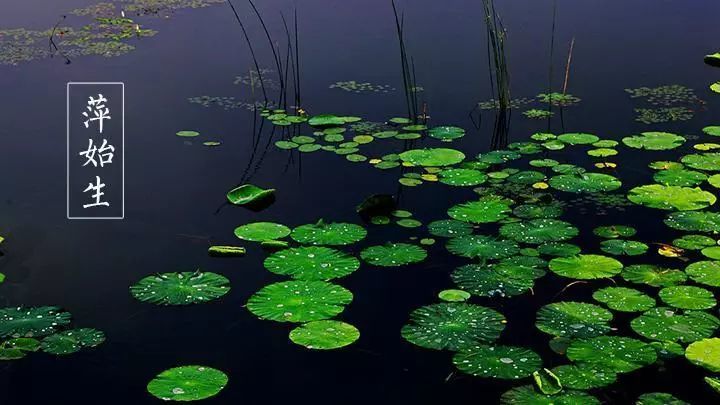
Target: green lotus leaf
<point x="614" y="231"/>
<point x="302" y="139"/>
<point x="679" y="177"/>
<point x="553" y="144"/>
<point x="584" y="183"/>
<point x="299" y="301"/>
<point x="446" y="133"/>
<point x="248" y="194"/>
<point x="454" y="295"/>
<point x="533" y="211"/>
<point x="393" y="254"/>
<point x="415" y="127"/>
<point x="526" y="177"/>
<point x="666" y="165"/>
<point x="326" y="120"/>
<point x="453" y="326"/>
<point x="187" y="134"/>
<point x="705" y="353"/>
<point x="606" y="143"/>
<point x="714" y="180"/>
<point x="567" y="168"/>
<point x="324" y="335"/>
<point x="286" y="145"/>
<point x="432" y="157"/>
<point x="71" y="341"/>
<point x="334" y="234"/>
<point x="671" y="197"/>
<point x="494" y="280"/>
<point x="712" y="59"/>
<point x="226" y="251"/>
<point x="699" y="221"/>
<point x="31" y="321"/>
<point x="653" y="275"/>
<point x="462" y="177"/>
<point x="621" y="247"/>
<point x="714" y="383"/>
<point x="667" y="349"/>
<point x="705" y="272"/>
<point x="408" y="223"/>
<point x="496" y="157"/>
<point x="306" y="148"/>
<point x="17" y="348"/>
<point x="585" y="267"/>
<point x="578" y="138"/>
<point x="704" y="161"/>
<point x="311" y="263"/>
<point x="624" y="299"/>
<point x="687" y="297"/>
<point x="538" y="231"/>
<point x="654" y="141"/>
<point x="185" y="288"/>
<point x="481" y="246"/>
<point x="558" y="249"/>
<point x="262" y="231"/>
<point x="659" y="398"/>
<point x="547" y="382"/>
<point x="506" y="362"/>
<point x="619" y="354"/>
<point x="399" y="120"/>
<point x="449" y="228"/>
<point x="674" y="325"/>
<point x="573" y="319"/>
<point x="543" y="162"/>
<point x="585" y="376"/>
<point x="489" y="208"/>
<point x="693" y="242"/>
<point x="525" y="148"/>
<point x="187" y="383"/>
<point x="712" y="252"/>
<point x="712" y="130"/>
<point x="528" y="395"/>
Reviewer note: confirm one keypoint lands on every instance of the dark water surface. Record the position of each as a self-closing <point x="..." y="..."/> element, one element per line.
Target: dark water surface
<point x="174" y="189"/>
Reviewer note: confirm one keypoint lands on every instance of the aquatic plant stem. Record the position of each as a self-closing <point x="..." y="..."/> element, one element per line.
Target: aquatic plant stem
<point x="252" y="51"/>
<point x="567" y="66"/>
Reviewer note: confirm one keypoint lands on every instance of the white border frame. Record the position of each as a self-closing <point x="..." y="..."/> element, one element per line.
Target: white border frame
<point x="67" y="155"/>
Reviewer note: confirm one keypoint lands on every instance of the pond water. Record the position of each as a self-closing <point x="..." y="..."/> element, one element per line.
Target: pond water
<point x="350" y="66"/>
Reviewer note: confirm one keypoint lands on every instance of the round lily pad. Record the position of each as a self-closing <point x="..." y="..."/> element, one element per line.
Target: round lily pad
<point x="324" y="335"/>
<point x="496" y="157"/>
<point x="490" y="208"/>
<point x="621" y="247"/>
<point x="528" y="395"/>
<point x="187" y="383"/>
<point x="659" y="398"/>
<point x="432" y="157"/>
<point x="494" y="280"/>
<point x="670" y="324"/>
<point x="578" y="138"/>
<point x="712" y="252"/>
<point x="705" y="353"/>
<point x="299" y="301"/>
<point x="462" y="177"/>
<point x="620" y="354"/>
<point x="585" y="267"/>
<point x="393" y="254"/>
<point x="705" y="272"/>
<point x="624" y="299"/>
<point x="481" y="246"/>
<point x="653" y="275"/>
<point x="262" y="231"/>
<point x="680" y="177"/>
<point x="705" y="161"/>
<point x="654" y="141"/>
<point x="533" y="211"/>
<point x="558" y="249"/>
<point x="584" y="183"/>
<point x="584" y="376"/>
<point x="449" y="228"/>
<point x="687" y="297"/>
<point x="538" y="231"/>
<point x="286" y="145"/>
<point x="326" y="120"/>
<point x="671" y="197"/>
<point x="187" y="134"/>
<point x="614" y="231"/>
<point x="446" y="133"/>
<point x="453" y="326"/>
<point x="183" y="288"/>
<point x="573" y="319"/>
<point x="507" y="362"/>
<point x="454" y="295"/>
<point x="698" y="221"/>
<point x="31" y="321"/>
<point x="333" y="234"/>
<point x="694" y="242"/>
<point x="71" y="341"/>
<point x="311" y="263"/>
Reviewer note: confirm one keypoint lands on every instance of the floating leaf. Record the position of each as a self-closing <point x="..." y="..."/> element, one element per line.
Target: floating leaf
<point x="507" y="362"/>
<point x="326" y="120"/>
<point x="299" y="301"/>
<point x="620" y="247"/>
<point x="538" y="231"/>
<point x="432" y="157"/>
<point x="528" y="395"/>
<point x="496" y="157"/>
<point x="679" y="177"/>
<point x="453" y="326"/>
<point x="547" y="382"/>
<point x="658" y="398"/>
<point x="585" y="182"/>
<point x="704" y="161"/>
<point x="578" y="138"/>
<point x="669" y="324"/>
<point x="248" y="194"/>
<point x="187" y="134"/>
<point x="17" y="348"/>
<point x="624" y="299"/>
<point x="180" y="288"/>
<point x="462" y="177"/>
<point x="699" y="221"/>
<point x="31" y="321"/>
<point x="226" y="251"/>
<point x="489" y="208"/>
<point x="262" y="231"/>
<point x="333" y="234"/>
<point x="311" y="263"/>
<point x="449" y="228"/>
<point x="532" y="211"/>
<point x="71" y="341"/>
<point x="480" y="246"/>
<point x="585" y="376"/>
<point x="614" y="231"/>
<point x="616" y="353"/>
<point x="393" y="254"/>
<point x="687" y="297"/>
<point x="187" y="383"/>
<point x="573" y="319"/>
<point x="654" y="141"/>
<point x="558" y="249"/>
<point x="454" y="295"/>
<point x="585" y="267"/>
<point x="671" y="197"/>
<point x="324" y="335"/>
<point x="693" y="242"/>
<point x="705" y="353"/>
<point x="705" y="272"/>
<point x="653" y="275"/>
<point x="494" y="280"/>
<point x="446" y="133"/>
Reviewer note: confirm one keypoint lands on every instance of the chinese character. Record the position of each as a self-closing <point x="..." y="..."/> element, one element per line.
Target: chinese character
<point x="99" y="111"/>
<point x="97" y="195"/>
<point x="105" y="156"/>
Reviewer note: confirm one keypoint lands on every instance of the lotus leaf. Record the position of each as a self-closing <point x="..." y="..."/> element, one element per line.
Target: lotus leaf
<point x="573" y="319"/>
<point x="31" y="321"/>
<point x="654" y="141"/>
<point x="585" y="376"/>
<point x="705" y="272"/>
<point x="687" y="297"/>
<point x="326" y="120"/>
<point x="187" y="383"/>
<point x="462" y="177"/>
<point x="489" y="208"/>
<point x="432" y="157"/>
<point x="620" y="354"/>
<point x="248" y="194"/>
<point x="532" y="211"/>
<point x="528" y="395"/>
<point x="578" y="138"/>
<point x="449" y="228"/>
<point x="262" y="231"/>
<point x="393" y="254"/>
<point x="312" y="263"/>
<point x="653" y="275"/>
<point x="679" y="177"/>
<point x="558" y="249"/>
<point x="506" y="362"/>
<point x="71" y="341"/>
<point x="671" y="197"/>
<point x="659" y="398"/>
<point x="624" y="299"/>
<point x="585" y="182"/>
<point x="620" y="247"/>
<point x="585" y="267"/>
<point x="669" y="324"/>
<point x="324" y="335"/>
<point x="226" y="251"/>
<point x="705" y="353"/>
<point x="705" y="161"/>
<point x="496" y="157"/>
<point x="481" y="246"/>
<point x="494" y="280"/>
<point x="446" y="133"/>
<point x="699" y="221"/>
<point x="333" y="234"/>
<point x="299" y="301"/>
<point x="180" y="288"/>
<point x="614" y="231"/>
<point x="538" y="231"/>
<point x="454" y="295"/>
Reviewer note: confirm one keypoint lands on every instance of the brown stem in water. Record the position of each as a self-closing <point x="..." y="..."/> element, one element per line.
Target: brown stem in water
<point x="567" y="66"/>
